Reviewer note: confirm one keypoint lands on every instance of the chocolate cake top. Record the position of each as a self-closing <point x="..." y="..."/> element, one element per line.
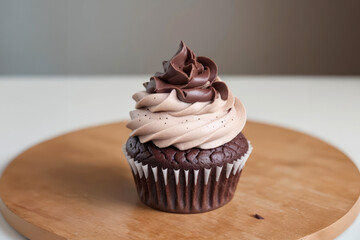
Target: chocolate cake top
<point x="195" y="158"/>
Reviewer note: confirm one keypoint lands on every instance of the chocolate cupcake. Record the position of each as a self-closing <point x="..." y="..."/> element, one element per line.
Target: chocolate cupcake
<point x="186" y="149"/>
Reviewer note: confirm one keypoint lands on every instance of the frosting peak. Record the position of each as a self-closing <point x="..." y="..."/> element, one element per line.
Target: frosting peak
<point x="193" y="78"/>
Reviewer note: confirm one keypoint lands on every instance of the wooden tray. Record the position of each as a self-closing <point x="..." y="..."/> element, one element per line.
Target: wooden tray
<point x="79" y="186"/>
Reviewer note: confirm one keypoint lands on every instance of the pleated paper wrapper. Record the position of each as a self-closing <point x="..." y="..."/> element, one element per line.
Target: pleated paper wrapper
<point x="187" y="191"/>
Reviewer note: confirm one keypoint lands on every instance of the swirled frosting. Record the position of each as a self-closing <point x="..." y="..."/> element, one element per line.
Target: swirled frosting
<point x="163" y="117"/>
<point x="192" y="77"/>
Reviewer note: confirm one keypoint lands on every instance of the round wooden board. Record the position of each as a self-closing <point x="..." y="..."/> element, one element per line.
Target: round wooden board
<point x="79" y="186"/>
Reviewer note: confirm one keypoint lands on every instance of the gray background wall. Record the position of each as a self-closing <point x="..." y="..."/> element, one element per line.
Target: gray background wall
<point x="123" y="37"/>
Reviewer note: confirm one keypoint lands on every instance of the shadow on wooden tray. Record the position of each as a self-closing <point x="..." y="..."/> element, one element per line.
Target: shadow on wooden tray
<point x="94" y="183"/>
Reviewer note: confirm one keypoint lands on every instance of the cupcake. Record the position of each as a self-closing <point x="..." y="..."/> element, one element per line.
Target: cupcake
<point x="186" y="150"/>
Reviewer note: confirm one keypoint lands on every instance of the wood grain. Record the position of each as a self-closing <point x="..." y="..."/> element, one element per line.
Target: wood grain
<point x="79" y="186"/>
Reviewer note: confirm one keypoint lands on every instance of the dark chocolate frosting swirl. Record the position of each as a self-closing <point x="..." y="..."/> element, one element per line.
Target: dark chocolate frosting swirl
<point x="193" y="78"/>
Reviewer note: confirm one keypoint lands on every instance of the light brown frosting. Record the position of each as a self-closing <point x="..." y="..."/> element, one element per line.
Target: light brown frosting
<point x="165" y="120"/>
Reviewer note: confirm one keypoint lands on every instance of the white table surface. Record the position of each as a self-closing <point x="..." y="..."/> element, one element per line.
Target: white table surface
<point x="37" y="108"/>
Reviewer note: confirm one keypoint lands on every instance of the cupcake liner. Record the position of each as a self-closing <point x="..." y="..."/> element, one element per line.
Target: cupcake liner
<point x="187" y="190"/>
